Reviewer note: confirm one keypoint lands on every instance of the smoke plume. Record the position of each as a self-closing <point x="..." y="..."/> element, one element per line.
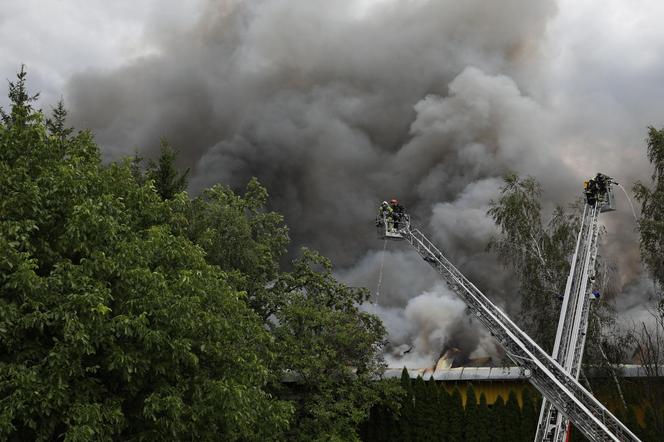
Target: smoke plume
<point x="336" y="106"/>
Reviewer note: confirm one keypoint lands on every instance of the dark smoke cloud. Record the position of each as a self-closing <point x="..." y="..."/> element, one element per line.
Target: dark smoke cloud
<point x="336" y="106"/>
<point x="333" y="109"/>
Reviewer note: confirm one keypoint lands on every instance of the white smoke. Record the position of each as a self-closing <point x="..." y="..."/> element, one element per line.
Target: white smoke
<point x="430" y="322"/>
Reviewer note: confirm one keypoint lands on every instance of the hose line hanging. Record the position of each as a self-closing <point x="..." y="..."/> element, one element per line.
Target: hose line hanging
<point x="380" y="272"/>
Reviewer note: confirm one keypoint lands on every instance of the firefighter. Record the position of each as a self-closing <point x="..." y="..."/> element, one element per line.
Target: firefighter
<point x="397" y="212"/>
<point x="596" y="188"/>
<point x="590" y="189"/>
<point x="602" y="182"/>
<point x="385" y="215"/>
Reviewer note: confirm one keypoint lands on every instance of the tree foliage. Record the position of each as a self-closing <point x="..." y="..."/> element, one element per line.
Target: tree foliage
<point x="485" y="420"/>
<point x="167" y="179"/>
<point x="21" y="113"/>
<point x="529" y="415"/>
<point x="513" y="417"/>
<point x="455" y="416"/>
<point x="244" y="239"/>
<point x="472" y="420"/>
<point x="651" y="222"/>
<point x="114" y="326"/>
<point x="57" y="124"/>
<point x="129" y="311"/>
<point x="331" y="346"/>
<point x="537" y="252"/>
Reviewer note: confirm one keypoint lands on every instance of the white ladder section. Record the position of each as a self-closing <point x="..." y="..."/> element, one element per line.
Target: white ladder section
<point x="548" y="376"/>
<point x="573" y="324"/>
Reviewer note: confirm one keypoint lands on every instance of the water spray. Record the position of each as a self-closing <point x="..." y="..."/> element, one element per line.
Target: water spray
<point x="630" y="202"/>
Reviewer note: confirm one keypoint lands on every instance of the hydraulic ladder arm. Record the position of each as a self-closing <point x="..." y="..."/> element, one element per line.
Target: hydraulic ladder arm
<point x="573" y="323"/>
<point x="556" y="385"/>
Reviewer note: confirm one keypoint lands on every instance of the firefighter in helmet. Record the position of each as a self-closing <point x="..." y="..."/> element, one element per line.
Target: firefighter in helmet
<point x="397" y="212"/>
<point x="385" y="215"/>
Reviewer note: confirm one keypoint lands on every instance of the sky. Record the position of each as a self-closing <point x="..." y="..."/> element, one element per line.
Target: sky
<point x="336" y="106"/>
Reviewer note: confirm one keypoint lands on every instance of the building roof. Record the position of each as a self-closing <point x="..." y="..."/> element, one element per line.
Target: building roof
<point x="460" y="373"/>
<point x="502" y="373"/>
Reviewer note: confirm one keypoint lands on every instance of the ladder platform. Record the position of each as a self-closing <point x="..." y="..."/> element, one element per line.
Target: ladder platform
<point x="388" y="228"/>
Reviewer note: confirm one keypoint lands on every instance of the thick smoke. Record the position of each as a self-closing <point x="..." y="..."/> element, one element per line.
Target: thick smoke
<point x="336" y="106"/>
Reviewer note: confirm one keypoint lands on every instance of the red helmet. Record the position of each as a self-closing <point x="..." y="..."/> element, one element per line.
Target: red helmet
<point x="394" y="201"/>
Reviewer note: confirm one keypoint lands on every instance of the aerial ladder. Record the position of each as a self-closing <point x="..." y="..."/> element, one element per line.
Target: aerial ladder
<point x="555" y="384"/>
<point x="573" y="323"/>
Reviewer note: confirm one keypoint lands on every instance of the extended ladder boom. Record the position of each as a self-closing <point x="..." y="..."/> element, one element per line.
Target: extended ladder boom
<point x="573" y="323"/>
<point x="547" y="375"/>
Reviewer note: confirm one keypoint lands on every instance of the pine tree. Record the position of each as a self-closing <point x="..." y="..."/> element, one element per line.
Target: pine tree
<point x="529" y="416"/>
<point x="136" y="167"/>
<point x="23" y="127"/>
<point x="471" y="418"/>
<point x="21" y="112"/>
<point x="167" y="179"/>
<point x="407" y="412"/>
<point x="421" y="424"/>
<point x="498" y="420"/>
<point x="57" y="124"/>
<point x="58" y="130"/>
<point x="437" y="414"/>
<point x="484" y="423"/>
<point x="445" y="400"/>
<point x="456" y="424"/>
<point x="513" y="417"/>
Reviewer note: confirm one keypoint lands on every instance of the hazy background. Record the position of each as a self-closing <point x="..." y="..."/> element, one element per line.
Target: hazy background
<point x="336" y="106"/>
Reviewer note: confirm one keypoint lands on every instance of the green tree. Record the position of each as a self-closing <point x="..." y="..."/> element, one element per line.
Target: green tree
<point x="333" y="348"/>
<point x="422" y="425"/>
<point x="651" y="222"/>
<point x="426" y="412"/>
<point x="530" y="415"/>
<point x="538" y="253"/>
<point x="239" y="235"/>
<point x="113" y="325"/>
<point x="407" y="414"/>
<point x="438" y="415"/>
<point x="445" y="403"/>
<point x="455" y="417"/>
<point x="136" y="167"/>
<point x="57" y="124"/>
<point x="383" y="425"/>
<point x="472" y="416"/>
<point x="167" y="179"/>
<point x="321" y="336"/>
<point x="499" y="420"/>
<point x="485" y="422"/>
<point x="512" y="417"/>
<point x="21" y="113"/>
<point x="137" y="313"/>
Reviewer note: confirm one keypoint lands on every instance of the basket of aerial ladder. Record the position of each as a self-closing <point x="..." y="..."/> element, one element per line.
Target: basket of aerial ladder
<point x="392" y="220"/>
